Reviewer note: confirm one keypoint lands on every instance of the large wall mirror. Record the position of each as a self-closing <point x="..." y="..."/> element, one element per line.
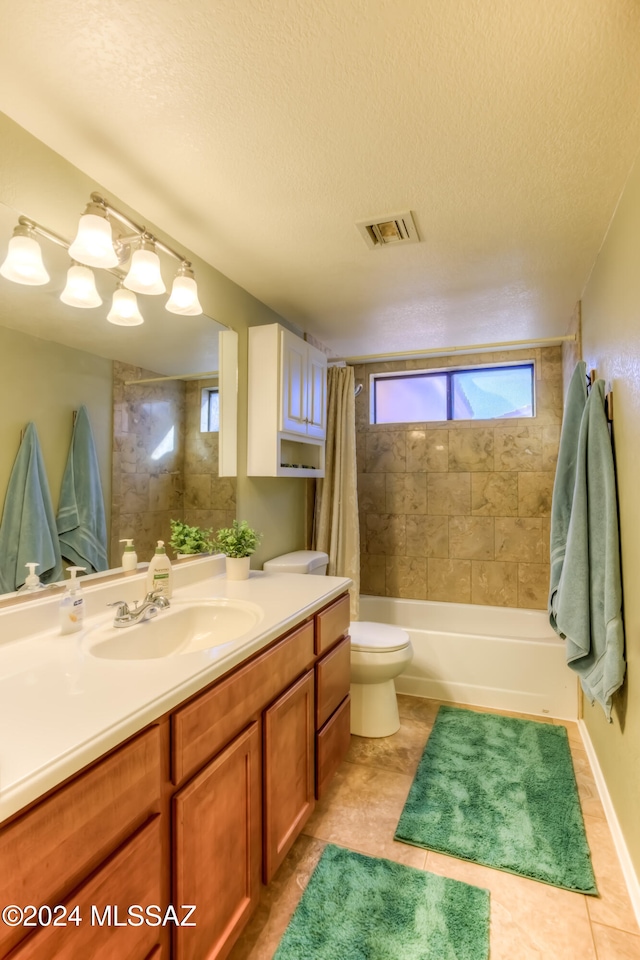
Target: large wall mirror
<point x="161" y="455"/>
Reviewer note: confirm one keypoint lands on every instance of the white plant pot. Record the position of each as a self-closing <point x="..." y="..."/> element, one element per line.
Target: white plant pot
<point x="238" y="568"/>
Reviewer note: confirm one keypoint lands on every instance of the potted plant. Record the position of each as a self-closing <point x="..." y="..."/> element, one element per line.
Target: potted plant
<point x="187" y="541"/>
<point x="237" y="542"/>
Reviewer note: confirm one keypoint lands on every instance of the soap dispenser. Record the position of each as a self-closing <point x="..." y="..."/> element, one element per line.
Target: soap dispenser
<point x="159" y="574"/>
<point x="72" y="604"/>
<point x="32" y="583"/>
<point x="129" y="557"/>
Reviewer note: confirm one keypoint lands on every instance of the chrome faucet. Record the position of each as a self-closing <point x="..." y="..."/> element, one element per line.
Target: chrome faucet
<point x="147" y="610"/>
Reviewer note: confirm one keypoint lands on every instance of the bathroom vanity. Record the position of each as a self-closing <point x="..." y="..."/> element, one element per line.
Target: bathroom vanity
<point x="195" y="807"/>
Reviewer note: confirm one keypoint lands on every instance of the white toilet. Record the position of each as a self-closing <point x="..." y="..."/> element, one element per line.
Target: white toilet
<point x="379" y="652"/>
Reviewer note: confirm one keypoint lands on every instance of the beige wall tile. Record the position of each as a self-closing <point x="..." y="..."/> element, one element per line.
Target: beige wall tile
<point x="494" y="583"/>
<point x="223" y="493"/>
<point x="197" y="492"/>
<point x="385" y="534"/>
<point x="449" y="580"/>
<point x="471" y="538"/>
<point x="134" y="491"/>
<point x="372" y="575"/>
<point x="471" y="471"/>
<point x="427" y="451"/>
<point x="550" y="444"/>
<point x="406" y="493"/>
<point x="449" y="494"/>
<point x="533" y="585"/>
<point x="549" y="401"/>
<point x="406" y="577"/>
<point x="427" y="536"/>
<point x="494" y="494"/>
<point x="371" y="492"/>
<point x="534" y="494"/>
<point x="386" y="452"/>
<point x="518" y="448"/>
<point x="519" y="538"/>
<point x="471" y="450"/>
<point x="546" y="537"/>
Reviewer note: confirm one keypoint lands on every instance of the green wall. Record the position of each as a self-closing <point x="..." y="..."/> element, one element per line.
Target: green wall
<point x="611" y="345"/>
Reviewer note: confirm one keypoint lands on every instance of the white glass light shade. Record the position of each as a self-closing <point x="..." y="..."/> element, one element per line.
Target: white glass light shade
<point x="184" y="297"/>
<point x="124" y="309"/>
<point x="144" y="273"/>
<point x="93" y="244"/>
<point x="80" y="290"/>
<point x="23" y="263"/>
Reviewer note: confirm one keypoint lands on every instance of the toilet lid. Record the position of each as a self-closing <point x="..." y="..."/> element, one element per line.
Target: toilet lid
<point x="369" y="637"/>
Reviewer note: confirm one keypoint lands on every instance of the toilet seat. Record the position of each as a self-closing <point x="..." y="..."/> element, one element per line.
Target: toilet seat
<point x="369" y="637"/>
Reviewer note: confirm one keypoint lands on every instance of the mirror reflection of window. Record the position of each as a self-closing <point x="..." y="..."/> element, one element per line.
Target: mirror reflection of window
<point x="210" y="410"/>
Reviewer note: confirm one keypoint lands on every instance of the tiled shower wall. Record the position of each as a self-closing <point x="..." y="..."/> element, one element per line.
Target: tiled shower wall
<point x="460" y="511"/>
<point x="164" y="468"/>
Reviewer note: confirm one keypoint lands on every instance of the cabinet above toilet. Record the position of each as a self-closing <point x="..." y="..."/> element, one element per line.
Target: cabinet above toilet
<point x="287" y="405"/>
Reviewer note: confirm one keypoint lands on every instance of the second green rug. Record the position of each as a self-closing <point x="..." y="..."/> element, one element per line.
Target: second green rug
<point x="502" y="792"/>
<point x="366" y="908"/>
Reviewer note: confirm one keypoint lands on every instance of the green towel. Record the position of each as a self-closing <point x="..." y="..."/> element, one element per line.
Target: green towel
<point x="587" y="606"/>
<point x="81" y="521"/>
<point x="565" y="479"/>
<point x="28" y="531"/>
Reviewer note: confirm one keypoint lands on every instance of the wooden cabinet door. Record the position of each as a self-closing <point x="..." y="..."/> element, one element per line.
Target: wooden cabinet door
<point x="294" y="383"/>
<point x="217" y="837"/>
<point x="316" y="394"/>
<point x="288" y="770"/>
<point x="101" y="928"/>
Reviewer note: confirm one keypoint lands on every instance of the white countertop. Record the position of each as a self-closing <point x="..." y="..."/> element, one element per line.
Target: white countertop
<point x="61" y="708"/>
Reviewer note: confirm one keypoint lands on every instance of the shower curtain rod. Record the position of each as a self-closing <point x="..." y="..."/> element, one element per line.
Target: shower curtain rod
<point x="445" y="351"/>
<point x="207" y="375"/>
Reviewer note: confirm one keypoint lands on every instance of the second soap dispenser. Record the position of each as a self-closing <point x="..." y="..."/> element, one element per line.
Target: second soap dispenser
<point x="159" y="574"/>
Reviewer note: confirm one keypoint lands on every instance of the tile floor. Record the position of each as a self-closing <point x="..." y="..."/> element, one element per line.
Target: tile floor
<point x="529" y="920"/>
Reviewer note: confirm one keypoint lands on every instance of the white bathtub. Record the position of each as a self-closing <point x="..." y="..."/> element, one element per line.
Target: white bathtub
<point x="487" y="656"/>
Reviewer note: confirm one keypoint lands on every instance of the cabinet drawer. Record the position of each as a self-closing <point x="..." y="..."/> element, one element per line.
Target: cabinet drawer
<point x="333" y="678"/>
<point x="52" y="847"/>
<point x="332" y="745"/>
<point x="203" y="727"/>
<point x="332" y="623"/>
<point x="131" y="876"/>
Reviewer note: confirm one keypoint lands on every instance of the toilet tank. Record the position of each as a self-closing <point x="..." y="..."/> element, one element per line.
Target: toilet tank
<point x="300" y="561"/>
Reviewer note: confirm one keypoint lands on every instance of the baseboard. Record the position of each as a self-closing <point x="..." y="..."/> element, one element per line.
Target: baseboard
<point x="631" y="879"/>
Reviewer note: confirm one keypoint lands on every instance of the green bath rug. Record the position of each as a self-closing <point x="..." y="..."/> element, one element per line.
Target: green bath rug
<point x="364" y="908"/>
<point x="502" y="792"/>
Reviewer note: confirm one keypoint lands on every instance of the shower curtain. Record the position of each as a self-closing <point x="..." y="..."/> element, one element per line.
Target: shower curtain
<point x="336" y="529"/>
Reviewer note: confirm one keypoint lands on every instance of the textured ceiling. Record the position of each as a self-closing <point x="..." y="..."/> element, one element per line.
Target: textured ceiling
<point x="256" y="132"/>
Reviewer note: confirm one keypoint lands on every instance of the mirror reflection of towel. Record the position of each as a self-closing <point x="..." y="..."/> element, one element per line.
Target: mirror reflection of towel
<point x="81" y="521"/>
<point x="28" y="531"/>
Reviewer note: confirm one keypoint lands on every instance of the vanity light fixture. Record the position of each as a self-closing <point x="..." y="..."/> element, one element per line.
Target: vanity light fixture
<point x="23" y="263"/>
<point x="144" y="273"/>
<point x="184" y="293"/>
<point x="124" y="309"/>
<point x="80" y="290"/>
<point x="93" y="244"/>
<point x="96" y="244"/>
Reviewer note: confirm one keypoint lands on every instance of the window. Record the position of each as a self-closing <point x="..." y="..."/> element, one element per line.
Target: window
<point x="475" y="393"/>
<point x="210" y="410"/>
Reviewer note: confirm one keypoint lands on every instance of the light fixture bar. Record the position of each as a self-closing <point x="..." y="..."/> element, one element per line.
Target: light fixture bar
<point x="141" y="232"/>
<point x="47" y="234"/>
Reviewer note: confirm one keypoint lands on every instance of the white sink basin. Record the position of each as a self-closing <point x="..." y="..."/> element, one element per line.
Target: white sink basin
<point x="185" y="627"/>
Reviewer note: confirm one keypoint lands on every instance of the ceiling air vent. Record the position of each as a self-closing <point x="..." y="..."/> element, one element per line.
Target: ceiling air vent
<point x="385" y="231"/>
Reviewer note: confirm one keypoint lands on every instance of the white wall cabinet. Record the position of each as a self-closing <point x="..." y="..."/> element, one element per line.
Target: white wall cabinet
<point x="287" y="411"/>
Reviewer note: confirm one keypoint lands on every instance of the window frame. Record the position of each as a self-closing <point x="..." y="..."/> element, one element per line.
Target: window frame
<point x="207" y="392"/>
<point x="449" y="373"/>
